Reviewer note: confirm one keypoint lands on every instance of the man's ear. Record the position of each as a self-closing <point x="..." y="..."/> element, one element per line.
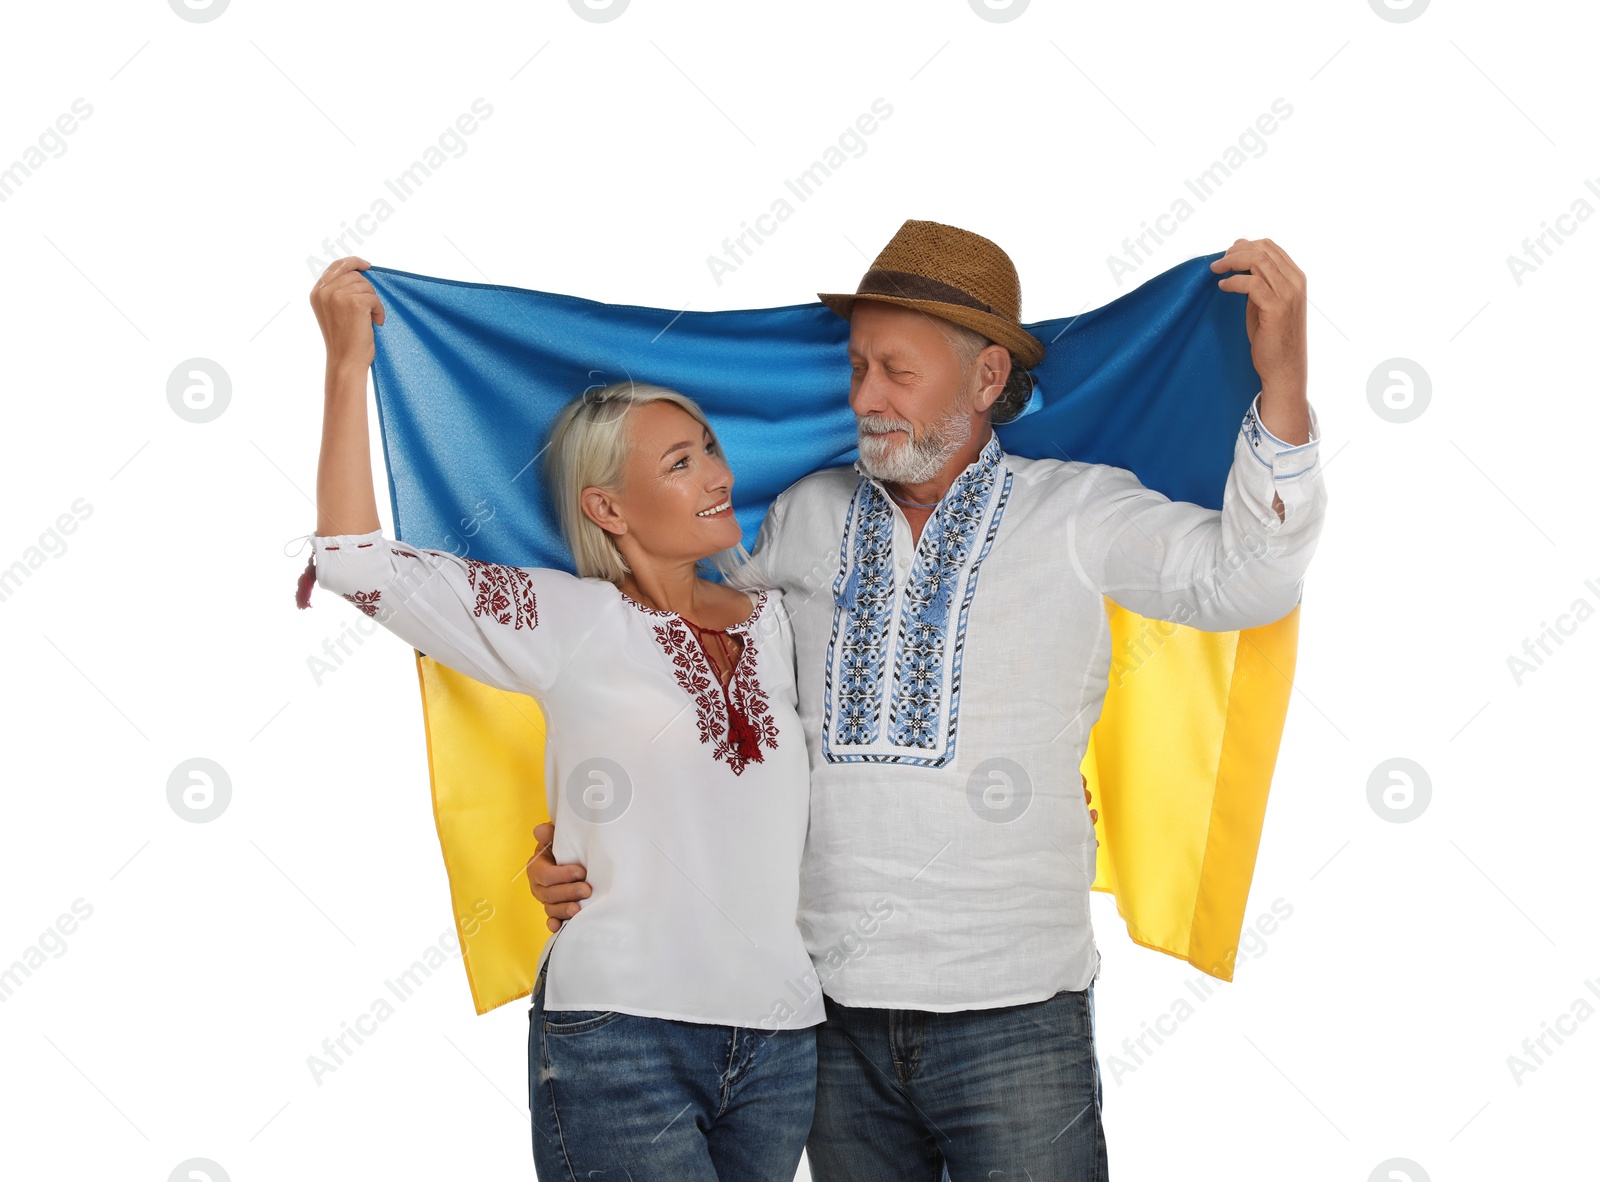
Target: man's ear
<point x="991" y="368"/>
<point x="599" y="507"/>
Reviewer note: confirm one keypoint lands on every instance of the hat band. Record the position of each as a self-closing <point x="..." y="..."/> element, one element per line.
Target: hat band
<point x="907" y="285"/>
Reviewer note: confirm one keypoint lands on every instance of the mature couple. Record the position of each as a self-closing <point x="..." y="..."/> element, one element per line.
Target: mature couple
<point x="800" y="923"/>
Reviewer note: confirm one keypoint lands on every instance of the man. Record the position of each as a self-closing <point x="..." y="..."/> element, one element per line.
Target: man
<point x="953" y="653"/>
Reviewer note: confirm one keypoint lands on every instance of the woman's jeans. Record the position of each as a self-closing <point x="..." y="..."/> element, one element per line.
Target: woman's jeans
<point x="616" y="1096"/>
<point x="1012" y="1093"/>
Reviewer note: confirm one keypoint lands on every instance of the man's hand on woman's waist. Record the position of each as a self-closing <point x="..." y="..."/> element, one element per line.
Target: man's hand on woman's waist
<point x="558" y="886"/>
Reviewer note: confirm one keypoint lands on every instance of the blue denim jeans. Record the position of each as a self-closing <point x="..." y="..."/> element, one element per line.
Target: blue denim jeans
<point x="905" y="1095"/>
<point x="618" y="1096"/>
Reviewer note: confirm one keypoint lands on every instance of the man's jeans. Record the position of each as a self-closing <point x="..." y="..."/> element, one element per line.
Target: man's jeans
<point x="619" y="1096"/>
<point x="1012" y="1092"/>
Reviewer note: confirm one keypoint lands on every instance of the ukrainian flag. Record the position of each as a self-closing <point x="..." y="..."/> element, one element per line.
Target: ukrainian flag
<point x="469" y="377"/>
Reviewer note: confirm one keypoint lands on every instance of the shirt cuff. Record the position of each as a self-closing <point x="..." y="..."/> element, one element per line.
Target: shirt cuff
<point x="340" y="539"/>
<point x="346" y="562"/>
<point x="1284" y="459"/>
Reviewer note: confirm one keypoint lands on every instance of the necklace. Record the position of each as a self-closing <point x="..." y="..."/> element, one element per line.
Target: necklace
<point x="911" y="504"/>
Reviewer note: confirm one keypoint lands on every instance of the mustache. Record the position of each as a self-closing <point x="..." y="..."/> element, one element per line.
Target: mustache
<point x="880" y="424"/>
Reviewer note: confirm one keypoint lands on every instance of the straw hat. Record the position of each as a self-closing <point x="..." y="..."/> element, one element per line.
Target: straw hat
<point x="953" y="274"/>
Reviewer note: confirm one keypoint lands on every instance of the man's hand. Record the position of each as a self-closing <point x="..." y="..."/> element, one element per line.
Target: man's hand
<point x="1274" y="318"/>
<point x="1094" y="814"/>
<point x="557" y="887"/>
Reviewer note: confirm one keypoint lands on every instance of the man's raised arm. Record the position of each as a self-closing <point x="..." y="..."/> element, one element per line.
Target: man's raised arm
<point x="1243" y="566"/>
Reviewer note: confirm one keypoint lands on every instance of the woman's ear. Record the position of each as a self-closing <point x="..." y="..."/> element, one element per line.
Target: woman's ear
<point x="599" y="507"/>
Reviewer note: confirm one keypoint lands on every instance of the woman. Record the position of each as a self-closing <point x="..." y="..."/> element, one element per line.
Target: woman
<point x="665" y="1040"/>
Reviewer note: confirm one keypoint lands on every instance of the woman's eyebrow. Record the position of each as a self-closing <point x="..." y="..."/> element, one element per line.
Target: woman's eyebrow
<point x="686" y="443"/>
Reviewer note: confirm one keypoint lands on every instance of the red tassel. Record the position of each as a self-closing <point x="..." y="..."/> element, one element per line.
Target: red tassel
<point x="742" y="736"/>
<point x="308" y="578"/>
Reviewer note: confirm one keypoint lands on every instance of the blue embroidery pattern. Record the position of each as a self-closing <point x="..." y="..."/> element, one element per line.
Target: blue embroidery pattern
<point x="866" y="597"/>
<point x="925" y="612"/>
<point x="864" y="600"/>
<point x="1251" y="427"/>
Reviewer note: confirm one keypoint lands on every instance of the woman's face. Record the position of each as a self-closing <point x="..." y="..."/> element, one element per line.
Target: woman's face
<point x="674" y="502"/>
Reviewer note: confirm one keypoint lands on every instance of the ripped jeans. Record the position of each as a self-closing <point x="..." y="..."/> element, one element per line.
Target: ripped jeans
<point x="616" y="1095"/>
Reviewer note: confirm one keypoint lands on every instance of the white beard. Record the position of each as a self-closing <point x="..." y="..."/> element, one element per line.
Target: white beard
<point x="916" y="460"/>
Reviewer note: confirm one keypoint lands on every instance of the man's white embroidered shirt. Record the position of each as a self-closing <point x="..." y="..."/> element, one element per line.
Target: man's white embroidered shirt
<point x="947" y="690"/>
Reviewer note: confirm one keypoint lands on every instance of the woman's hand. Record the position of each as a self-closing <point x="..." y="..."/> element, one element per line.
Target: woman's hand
<point x="347" y="307"/>
<point x="557" y="886"/>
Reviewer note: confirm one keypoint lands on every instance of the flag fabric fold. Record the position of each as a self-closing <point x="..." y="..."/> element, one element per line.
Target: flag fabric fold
<point x="470" y="376"/>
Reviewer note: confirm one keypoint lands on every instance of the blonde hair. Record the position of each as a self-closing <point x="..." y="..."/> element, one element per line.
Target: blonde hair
<point x="588" y="448"/>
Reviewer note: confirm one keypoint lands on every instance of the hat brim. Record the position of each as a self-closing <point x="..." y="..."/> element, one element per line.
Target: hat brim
<point x="1028" y="348"/>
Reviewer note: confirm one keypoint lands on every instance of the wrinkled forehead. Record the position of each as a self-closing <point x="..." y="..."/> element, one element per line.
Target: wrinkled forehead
<point x="884" y="331"/>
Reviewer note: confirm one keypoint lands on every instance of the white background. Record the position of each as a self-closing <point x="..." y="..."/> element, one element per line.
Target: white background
<point x="185" y="219"/>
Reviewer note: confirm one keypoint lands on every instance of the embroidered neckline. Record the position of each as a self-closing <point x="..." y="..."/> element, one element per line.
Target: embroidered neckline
<point x="738" y="629"/>
<point x="734" y="717"/>
<point x="910" y="645"/>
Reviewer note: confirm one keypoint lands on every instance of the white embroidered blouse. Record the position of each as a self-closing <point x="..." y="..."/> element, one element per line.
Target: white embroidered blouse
<point x="948" y="688"/>
<point x="686" y="800"/>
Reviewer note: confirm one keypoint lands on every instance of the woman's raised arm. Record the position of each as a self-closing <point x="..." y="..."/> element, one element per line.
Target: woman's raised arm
<point x="347" y="307"/>
<point x="516" y="628"/>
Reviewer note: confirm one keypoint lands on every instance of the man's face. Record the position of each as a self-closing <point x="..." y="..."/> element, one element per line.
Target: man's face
<point x="908" y="391"/>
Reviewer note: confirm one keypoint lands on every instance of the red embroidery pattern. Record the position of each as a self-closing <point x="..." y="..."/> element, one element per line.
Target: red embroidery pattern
<point x="735" y="721"/>
<point x="753" y="709"/>
<point x="367" y="601"/>
<point x="505" y="593"/>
